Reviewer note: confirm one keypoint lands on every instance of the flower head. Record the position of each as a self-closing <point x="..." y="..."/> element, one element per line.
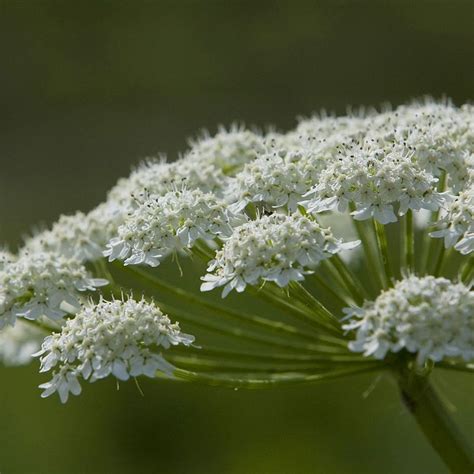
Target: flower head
<point x="328" y="128"/>
<point x="227" y="150"/>
<point x="160" y="177"/>
<point x="80" y="236"/>
<point x="374" y="180"/>
<point x="277" y="178"/>
<point x="277" y="248"/>
<point x="165" y="224"/>
<point x="439" y="135"/>
<point x="428" y="316"/>
<point x="118" y="338"/>
<point x="457" y="223"/>
<point x="43" y="284"/>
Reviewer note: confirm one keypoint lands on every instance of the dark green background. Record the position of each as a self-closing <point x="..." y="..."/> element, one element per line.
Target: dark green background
<point x="88" y="88"/>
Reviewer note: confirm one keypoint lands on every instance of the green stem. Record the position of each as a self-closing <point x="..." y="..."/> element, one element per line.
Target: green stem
<point x="467" y="271"/>
<point x="316" y="306"/>
<point x="201" y="250"/>
<point x="383" y="252"/>
<point x="206" y="364"/>
<point x="434" y="421"/>
<point x="338" y="296"/>
<point x="268" y="382"/>
<point x="459" y="366"/>
<point x="349" y="279"/>
<point x="371" y="257"/>
<point x="259" y="321"/>
<point x="299" y="311"/>
<point x="409" y="242"/>
<point x="243" y="354"/>
<point x="241" y="334"/>
<point x="439" y="260"/>
<point x="102" y="269"/>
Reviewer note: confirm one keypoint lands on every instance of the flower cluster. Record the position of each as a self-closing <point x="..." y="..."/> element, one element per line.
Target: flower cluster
<point x="418" y="157"/>
<point x="374" y="180"/>
<point x="275" y="248"/>
<point x="277" y="178"/>
<point x="262" y="204"/>
<point x="227" y="150"/>
<point x="458" y="223"/>
<point x="158" y="177"/>
<point x="118" y="337"/>
<point x="80" y="236"/>
<point x="43" y="284"/>
<point x="431" y="317"/>
<point x="327" y="132"/>
<point x="169" y="223"/>
<point x="439" y="135"/>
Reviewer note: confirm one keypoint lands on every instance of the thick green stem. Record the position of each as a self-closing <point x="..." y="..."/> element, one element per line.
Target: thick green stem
<point x="435" y="422"/>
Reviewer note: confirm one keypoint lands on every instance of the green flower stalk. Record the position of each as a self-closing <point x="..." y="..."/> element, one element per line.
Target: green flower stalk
<point x="263" y="217"/>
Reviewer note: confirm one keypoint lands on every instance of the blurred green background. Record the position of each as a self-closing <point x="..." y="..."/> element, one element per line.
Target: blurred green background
<point x="89" y="88"/>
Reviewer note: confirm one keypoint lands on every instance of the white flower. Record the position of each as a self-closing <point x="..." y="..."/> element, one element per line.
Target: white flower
<point x="466" y="244"/>
<point x="439" y="134"/>
<point x="118" y="338"/>
<point x="288" y="141"/>
<point x="18" y="343"/>
<point x="330" y="131"/>
<point x="458" y="223"/>
<point x="275" y="248"/>
<point x="159" y="177"/>
<point x="428" y="316"/>
<point x="42" y="284"/>
<point x="374" y="180"/>
<point x="227" y="150"/>
<point x="81" y="236"/>
<point x="277" y="178"/>
<point x="170" y="223"/>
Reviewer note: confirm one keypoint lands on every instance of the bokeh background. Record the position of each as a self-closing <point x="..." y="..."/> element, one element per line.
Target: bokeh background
<point x="89" y="88"/>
